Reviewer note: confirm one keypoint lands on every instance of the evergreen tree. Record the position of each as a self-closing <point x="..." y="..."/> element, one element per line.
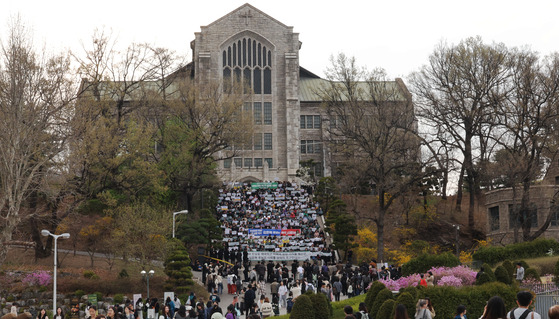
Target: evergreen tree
<point x="177" y="268"/>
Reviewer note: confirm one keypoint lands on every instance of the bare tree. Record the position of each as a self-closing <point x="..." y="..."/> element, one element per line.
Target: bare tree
<point x="35" y="102"/>
<point x="455" y="94"/>
<point x="373" y="131"/>
<point x="527" y="121"/>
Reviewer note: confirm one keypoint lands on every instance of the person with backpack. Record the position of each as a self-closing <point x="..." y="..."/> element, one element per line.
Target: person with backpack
<point x="523" y="300"/>
<point x="290" y="302"/>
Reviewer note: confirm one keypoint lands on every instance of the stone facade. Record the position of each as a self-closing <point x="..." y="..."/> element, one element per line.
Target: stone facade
<point x="499" y="204"/>
<point x="288" y="116"/>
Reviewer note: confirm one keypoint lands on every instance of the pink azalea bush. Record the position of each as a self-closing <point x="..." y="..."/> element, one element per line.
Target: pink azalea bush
<point x="38" y="278"/>
<point x="466" y="275"/>
<point x="444" y="276"/>
<point x="402" y="282"/>
<point x="452" y="281"/>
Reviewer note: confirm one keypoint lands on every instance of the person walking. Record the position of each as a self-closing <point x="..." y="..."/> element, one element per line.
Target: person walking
<point x="282" y="291"/>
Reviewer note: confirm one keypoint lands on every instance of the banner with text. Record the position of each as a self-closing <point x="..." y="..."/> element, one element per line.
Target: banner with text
<point x="264" y="185"/>
<point x="284" y="255"/>
<point x="274" y="232"/>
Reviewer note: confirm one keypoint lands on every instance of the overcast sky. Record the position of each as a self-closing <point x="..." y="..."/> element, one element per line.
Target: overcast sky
<point x="395" y="35"/>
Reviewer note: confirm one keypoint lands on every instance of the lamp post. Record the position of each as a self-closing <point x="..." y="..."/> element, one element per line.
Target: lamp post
<point x="147" y="275"/>
<point x="45" y="233"/>
<point x="457" y="227"/>
<point x="174" y="216"/>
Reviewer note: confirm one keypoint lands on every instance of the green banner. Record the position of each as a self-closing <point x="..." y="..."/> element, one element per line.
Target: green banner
<point x="92" y="299"/>
<point x="264" y="185"/>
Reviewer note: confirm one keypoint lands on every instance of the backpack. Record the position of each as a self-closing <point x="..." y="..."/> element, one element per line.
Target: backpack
<point x="290" y="305"/>
<point x="334" y="289"/>
<point x="364" y="315"/>
<point x="523" y="315"/>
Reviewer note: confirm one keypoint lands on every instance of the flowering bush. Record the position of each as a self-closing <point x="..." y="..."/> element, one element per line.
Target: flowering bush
<point x="39" y="278"/>
<point x="466" y="275"/>
<point x="450" y="281"/>
<point x="444" y="276"/>
<point x="402" y="282"/>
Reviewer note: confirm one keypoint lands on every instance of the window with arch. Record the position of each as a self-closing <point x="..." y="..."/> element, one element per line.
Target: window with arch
<point x="249" y="61"/>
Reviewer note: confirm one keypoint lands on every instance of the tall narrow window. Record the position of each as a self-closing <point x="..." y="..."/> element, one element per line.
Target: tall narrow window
<point x="257" y="113"/>
<point x="257" y="141"/>
<point x="238" y="162"/>
<point x="258" y="162"/>
<point x="317" y="121"/>
<point x="309" y="122"/>
<point x="251" y="62"/>
<point x="257" y="80"/>
<point x="494" y="218"/>
<point x="267" y="81"/>
<point x="248" y="161"/>
<point x="267" y="113"/>
<point x="267" y="141"/>
<point x="302" y="124"/>
<point x="227" y="163"/>
<point x="303" y="147"/>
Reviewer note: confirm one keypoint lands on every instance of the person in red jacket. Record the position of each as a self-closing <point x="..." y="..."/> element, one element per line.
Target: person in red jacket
<point x="423" y="282"/>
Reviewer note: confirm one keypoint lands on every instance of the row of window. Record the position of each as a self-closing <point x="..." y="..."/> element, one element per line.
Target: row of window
<point x="247" y="52"/>
<point x="311" y="146"/>
<point x="494" y="217"/>
<point x="258" y="80"/>
<point x="260" y="141"/>
<point x="260" y="117"/>
<point x="310" y="121"/>
<point x="247" y="162"/>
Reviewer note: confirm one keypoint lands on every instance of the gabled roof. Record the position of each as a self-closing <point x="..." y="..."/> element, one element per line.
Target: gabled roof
<point x="245" y="6"/>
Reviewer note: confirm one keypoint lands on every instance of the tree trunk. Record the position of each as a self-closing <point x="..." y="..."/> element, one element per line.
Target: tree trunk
<point x="460" y="191"/>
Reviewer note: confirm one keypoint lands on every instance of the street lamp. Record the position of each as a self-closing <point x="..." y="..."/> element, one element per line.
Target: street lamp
<point x="457" y="227"/>
<point x="147" y="275"/>
<point x="45" y="233"/>
<point x="174" y="215"/>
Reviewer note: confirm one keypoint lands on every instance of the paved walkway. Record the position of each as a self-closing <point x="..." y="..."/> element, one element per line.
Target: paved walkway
<point x="227" y="299"/>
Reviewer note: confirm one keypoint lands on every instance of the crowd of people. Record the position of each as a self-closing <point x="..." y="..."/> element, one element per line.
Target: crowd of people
<point x="279" y="218"/>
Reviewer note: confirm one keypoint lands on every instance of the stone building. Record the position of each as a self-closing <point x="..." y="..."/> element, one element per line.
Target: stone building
<point x="544" y="203"/>
<point x="288" y="121"/>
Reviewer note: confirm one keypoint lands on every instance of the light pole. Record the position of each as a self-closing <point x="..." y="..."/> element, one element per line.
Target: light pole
<point x="45" y="233"/>
<point x="457" y="227"/>
<point x="174" y="216"/>
<point x="147" y="275"/>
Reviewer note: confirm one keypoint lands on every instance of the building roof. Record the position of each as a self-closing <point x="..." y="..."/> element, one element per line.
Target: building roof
<point x="311" y="86"/>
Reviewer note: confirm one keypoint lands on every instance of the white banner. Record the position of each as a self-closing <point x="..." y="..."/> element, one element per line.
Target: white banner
<point x="283" y="255"/>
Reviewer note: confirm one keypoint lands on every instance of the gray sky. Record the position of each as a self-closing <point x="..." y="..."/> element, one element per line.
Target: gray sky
<point x="395" y="35"/>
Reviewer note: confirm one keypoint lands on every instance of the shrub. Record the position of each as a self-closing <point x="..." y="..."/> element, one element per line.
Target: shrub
<point x="509" y="267"/>
<point x="483" y="279"/>
<point x="556" y="272"/>
<point x="382" y="296"/>
<point x="119" y="299"/>
<point x="90" y="274"/>
<point x="445" y="299"/>
<point x="535" y="248"/>
<point x="411" y="290"/>
<point x="385" y="310"/>
<point x="466" y="274"/>
<point x="450" y="281"/>
<point x="424" y="262"/>
<point x="302" y="308"/>
<point x="487" y="269"/>
<point x="523" y="263"/>
<point x="502" y="275"/>
<point x="375" y="288"/>
<point x="39" y="278"/>
<point x="177" y="268"/>
<point x="532" y="273"/>
<point x="320" y="305"/>
<point x="405" y="299"/>
<point x="123" y="274"/>
<point x="99" y="295"/>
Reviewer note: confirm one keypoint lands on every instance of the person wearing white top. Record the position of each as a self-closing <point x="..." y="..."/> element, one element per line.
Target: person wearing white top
<point x="282" y="291"/>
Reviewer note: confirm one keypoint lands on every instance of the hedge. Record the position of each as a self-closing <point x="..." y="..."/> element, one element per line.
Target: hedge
<point x="302" y="308"/>
<point x="502" y="275"/>
<point x="425" y="262"/>
<point x="445" y="299"/>
<point x="535" y="248"/>
<point x="386" y="309"/>
<point x="322" y="309"/>
<point x="376" y="287"/>
<point x="382" y="296"/>
<point x="406" y="299"/>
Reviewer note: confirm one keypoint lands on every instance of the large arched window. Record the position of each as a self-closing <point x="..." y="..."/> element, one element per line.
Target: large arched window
<point x="253" y="60"/>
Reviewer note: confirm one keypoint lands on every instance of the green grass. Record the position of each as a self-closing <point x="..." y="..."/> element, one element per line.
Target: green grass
<point x="544" y="265"/>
